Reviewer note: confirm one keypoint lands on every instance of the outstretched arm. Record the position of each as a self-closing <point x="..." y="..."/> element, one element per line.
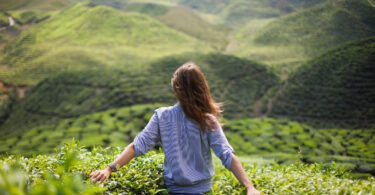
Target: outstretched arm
<point x="123" y="159"/>
<point x="240" y="174"/>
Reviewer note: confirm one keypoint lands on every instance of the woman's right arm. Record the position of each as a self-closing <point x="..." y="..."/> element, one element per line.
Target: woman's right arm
<point x="143" y="142"/>
<point x="124" y="158"/>
<point x="241" y="176"/>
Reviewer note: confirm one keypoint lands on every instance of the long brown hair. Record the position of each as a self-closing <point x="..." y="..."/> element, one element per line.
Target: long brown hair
<point x="192" y="91"/>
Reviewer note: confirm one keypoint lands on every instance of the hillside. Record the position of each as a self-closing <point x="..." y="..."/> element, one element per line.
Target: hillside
<point x="299" y="36"/>
<point x="33" y="4"/>
<point x="335" y="89"/>
<point x="238" y="12"/>
<point x="186" y="21"/>
<point x="65" y="42"/>
<point x="236" y="82"/>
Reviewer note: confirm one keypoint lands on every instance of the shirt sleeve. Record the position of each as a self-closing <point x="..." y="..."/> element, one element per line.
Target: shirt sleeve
<point x="148" y="137"/>
<point x="221" y="147"/>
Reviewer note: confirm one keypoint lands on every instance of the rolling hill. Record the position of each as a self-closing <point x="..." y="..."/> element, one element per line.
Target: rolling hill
<point x="305" y="34"/>
<point x="184" y="20"/>
<point x="66" y="42"/>
<point x="236" y="82"/>
<point x="33" y="4"/>
<point x="335" y="89"/>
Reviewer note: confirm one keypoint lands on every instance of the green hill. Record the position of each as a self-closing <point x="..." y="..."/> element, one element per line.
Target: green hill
<point x="308" y="33"/>
<point x="33" y="4"/>
<point x="85" y="36"/>
<point x="335" y="89"/>
<point x="186" y="21"/>
<point x="236" y="82"/>
<point x="238" y="12"/>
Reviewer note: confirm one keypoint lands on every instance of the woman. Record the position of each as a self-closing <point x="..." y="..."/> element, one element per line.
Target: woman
<point x="187" y="132"/>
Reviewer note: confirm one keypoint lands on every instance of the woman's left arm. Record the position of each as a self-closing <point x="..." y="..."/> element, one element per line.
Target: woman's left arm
<point x="123" y="159"/>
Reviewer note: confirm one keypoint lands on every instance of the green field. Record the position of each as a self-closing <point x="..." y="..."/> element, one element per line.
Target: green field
<point x="296" y="78"/>
<point x="72" y="164"/>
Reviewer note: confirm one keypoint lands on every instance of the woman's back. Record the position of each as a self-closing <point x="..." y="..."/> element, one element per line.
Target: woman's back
<point x="188" y="166"/>
<point x="186" y="131"/>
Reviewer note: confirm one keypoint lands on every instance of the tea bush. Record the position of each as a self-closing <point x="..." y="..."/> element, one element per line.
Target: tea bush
<point x="67" y="172"/>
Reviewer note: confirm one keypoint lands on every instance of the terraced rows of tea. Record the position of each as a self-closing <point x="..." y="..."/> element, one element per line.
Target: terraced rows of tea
<point x="72" y="94"/>
<point x="72" y="164"/>
<point x="281" y="140"/>
<point x="335" y="89"/>
<point x="297" y="79"/>
<point x="286" y="142"/>
<point x="115" y="127"/>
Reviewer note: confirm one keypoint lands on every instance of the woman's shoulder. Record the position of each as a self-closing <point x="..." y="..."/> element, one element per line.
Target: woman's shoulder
<point x="166" y="110"/>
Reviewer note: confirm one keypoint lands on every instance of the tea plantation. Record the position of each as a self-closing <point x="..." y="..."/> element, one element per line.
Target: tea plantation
<point x="280" y="140"/>
<point x="294" y="38"/>
<point x="296" y="77"/>
<point x="72" y="164"/>
<point x="71" y="94"/>
<point x="333" y="90"/>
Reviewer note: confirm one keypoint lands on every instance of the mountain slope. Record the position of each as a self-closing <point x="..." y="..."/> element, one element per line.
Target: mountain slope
<point x="335" y="89"/>
<point x="33" y="4"/>
<point x="236" y="82"/>
<point x="308" y="33"/>
<point x="86" y="36"/>
<point x="184" y="20"/>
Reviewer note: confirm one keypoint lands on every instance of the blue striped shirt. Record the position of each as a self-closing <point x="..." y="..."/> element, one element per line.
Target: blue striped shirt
<point x="188" y="166"/>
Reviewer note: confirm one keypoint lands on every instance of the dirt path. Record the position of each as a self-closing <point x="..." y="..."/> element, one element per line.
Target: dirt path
<point x="273" y="98"/>
<point x="11" y="21"/>
<point x="259" y="103"/>
<point x="21" y="90"/>
<point x="232" y="44"/>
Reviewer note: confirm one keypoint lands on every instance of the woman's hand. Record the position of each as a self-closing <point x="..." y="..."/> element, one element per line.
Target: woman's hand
<point x="100" y="175"/>
<point x="252" y="191"/>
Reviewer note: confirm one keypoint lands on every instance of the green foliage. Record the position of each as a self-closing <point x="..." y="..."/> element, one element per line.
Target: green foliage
<point x="115" y="127"/>
<point x="286" y="141"/>
<point x="29" y="16"/>
<point x="32" y="4"/>
<point x="302" y="35"/>
<point x="121" y="40"/>
<point x="333" y="90"/>
<point x="67" y="172"/>
<point x="237" y="82"/>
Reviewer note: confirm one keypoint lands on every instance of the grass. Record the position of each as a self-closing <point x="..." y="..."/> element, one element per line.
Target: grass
<point x="333" y="90"/>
